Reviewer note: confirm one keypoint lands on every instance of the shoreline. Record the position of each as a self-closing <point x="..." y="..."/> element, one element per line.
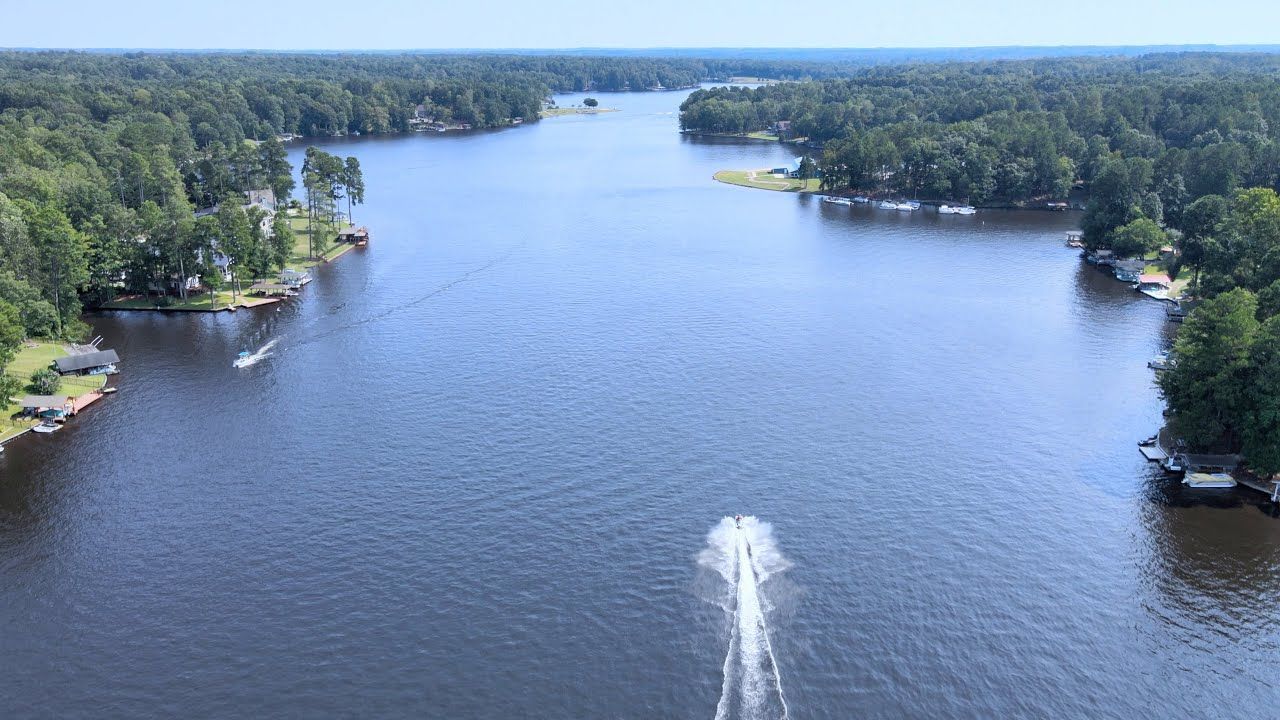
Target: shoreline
<point x="141" y="303"/>
<point x="561" y="112"/>
<point x="762" y="179"/>
<point x="81" y="390"/>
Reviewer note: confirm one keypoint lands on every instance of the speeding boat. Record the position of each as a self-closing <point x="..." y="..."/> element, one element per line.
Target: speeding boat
<point x="241" y="360"/>
<point x="737" y="520"/>
<point x="47" y="426"/>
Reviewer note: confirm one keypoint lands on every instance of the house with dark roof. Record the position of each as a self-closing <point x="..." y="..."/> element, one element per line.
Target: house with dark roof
<point x="102" y="362"/>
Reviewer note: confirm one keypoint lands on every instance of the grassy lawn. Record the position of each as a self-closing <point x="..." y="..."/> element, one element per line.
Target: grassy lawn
<point x="27" y="361"/>
<point x="762" y="136"/>
<point x="763" y="180"/>
<point x="326" y="240"/>
<point x="195" y="301"/>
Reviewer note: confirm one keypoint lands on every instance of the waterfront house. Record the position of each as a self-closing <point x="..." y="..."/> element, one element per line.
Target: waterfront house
<point x="46" y="406"/>
<point x="264" y="198"/>
<point x="102" y="362"/>
<point x="782" y="128"/>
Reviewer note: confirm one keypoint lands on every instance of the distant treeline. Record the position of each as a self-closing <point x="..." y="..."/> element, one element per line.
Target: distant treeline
<point x="227" y="97"/>
<point x="1024" y="129"/>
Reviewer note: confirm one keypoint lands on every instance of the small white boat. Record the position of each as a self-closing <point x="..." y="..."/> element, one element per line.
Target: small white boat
<point x="861" y="199"/>
<point x="109" y="390"/>
<point x="947" y="210"/>
<point x="836" y="200"/>
<point x="887" y="205"/>
<point x="913" y="204"/>
<point x="904" y="206"/>
<point x="47" y="426"/>
<point x="966" y="210"/>
<point x="241" y="360"/>
<point x="1209" y="480"/>
<point x="1173" y="464"/>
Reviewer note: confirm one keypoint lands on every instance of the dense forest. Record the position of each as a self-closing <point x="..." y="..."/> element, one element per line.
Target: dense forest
<point x="1017" y="130"/>
<point x="112" y="165"/>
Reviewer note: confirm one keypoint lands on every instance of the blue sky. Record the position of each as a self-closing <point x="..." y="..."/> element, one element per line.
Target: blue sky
<point x="387" y="24"/>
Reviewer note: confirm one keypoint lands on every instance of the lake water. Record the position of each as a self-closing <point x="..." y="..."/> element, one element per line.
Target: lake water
<point x="477" y="473"/>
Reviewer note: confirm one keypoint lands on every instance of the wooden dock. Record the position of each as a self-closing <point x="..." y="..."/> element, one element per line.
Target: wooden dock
<point x="1273" y="492"/>
<point x="1153" y="453"/>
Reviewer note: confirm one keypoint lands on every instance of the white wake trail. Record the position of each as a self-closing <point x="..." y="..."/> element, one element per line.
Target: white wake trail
<point x="262" y="352"/>
<point x="745" y="556"/>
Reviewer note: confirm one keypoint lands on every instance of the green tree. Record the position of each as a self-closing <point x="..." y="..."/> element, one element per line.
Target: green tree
<point x="591" y="102"/>
<point x="1261" y="431"/>
<point x="45" y="381"/>
<point x="1207" y="388"/>
<point x="280" y="244"/>
<point x="1137" y="238"/>
<point x="353" y="179"/>
<point x="274" y="163"/>
<point x="11" y="333"/>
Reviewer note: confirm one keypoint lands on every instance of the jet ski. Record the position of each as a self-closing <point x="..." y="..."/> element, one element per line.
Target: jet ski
<point x="737" y="521"/>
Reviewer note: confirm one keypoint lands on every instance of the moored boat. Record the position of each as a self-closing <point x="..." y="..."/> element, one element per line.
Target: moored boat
<point x="904" y="206"/>
<point x="47" y="426"/>
<point x="966" y="210"/>
<point x="887" y="205"/>
<point x="861" y="199"/>
<point x="1209" y="480"/>
<point x="947" y="210"/>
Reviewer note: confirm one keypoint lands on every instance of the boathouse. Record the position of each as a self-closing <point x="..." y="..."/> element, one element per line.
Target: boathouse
<point x="353" y="234"/>
<point x="102" y="362"/>
<point x="45" y="406"/>
<point x="1154" y="281"/>
<point x="269" y="288"/>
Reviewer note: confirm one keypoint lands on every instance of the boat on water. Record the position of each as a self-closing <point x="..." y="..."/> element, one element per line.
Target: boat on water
<point x="1148" y="442"/>
<point x="966" y="210"/>
<point x="834" y="200"/>
<point x="241" y="360"/>
<point x="47" y="426"/>
<point x="109" y="390"/>
<point x="861" y="199"/>
<point x="887" y="205"/>
<point x="905" y="207"/>
<point x="1209" y="480"/>
<point x="913" y="204"/>
<point x="947" y="210"/>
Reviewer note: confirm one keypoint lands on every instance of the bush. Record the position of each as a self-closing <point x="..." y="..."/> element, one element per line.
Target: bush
<point x="45" y="382"/>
